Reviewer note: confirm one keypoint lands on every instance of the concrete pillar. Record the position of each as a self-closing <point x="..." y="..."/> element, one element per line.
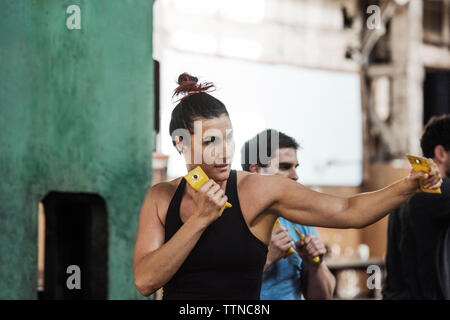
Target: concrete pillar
<point x="407" y="107"/>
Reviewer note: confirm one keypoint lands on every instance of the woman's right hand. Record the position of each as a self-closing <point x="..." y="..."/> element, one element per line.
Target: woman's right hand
<point x="209" y="199"/>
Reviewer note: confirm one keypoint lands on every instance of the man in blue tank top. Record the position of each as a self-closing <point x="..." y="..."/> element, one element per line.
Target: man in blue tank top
<point x="296" y="275"/>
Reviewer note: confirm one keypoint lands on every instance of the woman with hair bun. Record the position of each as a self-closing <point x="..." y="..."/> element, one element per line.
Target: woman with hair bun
<point x="191" y="250"/>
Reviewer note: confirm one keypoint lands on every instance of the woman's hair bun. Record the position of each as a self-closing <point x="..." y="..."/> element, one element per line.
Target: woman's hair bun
<point x="184" y="77"/>
<point x="189" y="85"/>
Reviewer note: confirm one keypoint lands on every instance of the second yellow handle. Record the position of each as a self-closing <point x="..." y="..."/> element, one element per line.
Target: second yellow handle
<point x="302" y="237"/>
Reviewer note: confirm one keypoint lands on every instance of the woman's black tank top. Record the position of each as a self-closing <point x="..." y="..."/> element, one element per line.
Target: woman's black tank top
<point x="228" y="260"/>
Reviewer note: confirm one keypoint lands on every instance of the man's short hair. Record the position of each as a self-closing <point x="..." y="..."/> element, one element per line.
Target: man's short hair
<point x="436" y="132"/>
<point x="255" y="143"/>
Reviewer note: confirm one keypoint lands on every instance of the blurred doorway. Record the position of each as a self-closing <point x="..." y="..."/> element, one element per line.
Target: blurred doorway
<point x="436" y="93"/>
<point x="73" y="231"/>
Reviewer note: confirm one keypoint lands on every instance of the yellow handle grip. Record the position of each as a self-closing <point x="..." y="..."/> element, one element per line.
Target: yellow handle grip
<point x="421" y="164"/>
<point x="291" y="250"/>
<point x="302" y="237"/>
<point x="225" y="206"/>
<point x="196" y="178"/>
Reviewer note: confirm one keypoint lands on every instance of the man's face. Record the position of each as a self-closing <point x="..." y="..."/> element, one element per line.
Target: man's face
<point x="447" y="165"/>
<point x="283" y="163"/>
<point x="442" y="159"/>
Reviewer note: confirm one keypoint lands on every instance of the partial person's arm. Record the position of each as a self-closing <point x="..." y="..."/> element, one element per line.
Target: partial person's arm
<point x="318" y="282"/>
<point x="301" y="205"/>
<point x="395" y="285"/>
<point x="155" y="262"/>
<point x="280" y="242"/>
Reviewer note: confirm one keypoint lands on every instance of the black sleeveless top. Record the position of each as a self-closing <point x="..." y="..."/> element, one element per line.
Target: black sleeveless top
<point x="228" y="260"/>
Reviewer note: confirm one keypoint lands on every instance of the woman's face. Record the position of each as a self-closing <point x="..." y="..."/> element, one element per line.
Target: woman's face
<point x="211" y="147"/>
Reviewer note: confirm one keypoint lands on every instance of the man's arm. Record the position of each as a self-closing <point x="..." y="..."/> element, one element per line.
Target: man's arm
<point x="301" y="205"/>
<point x="280" y="242"/>
<point x="318" y="282"/>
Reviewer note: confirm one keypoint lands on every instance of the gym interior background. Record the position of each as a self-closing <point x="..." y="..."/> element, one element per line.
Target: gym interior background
<point x="85" y="109"/>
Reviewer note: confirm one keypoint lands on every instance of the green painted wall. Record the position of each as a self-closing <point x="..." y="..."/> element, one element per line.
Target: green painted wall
<point x="76" y="115"/>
